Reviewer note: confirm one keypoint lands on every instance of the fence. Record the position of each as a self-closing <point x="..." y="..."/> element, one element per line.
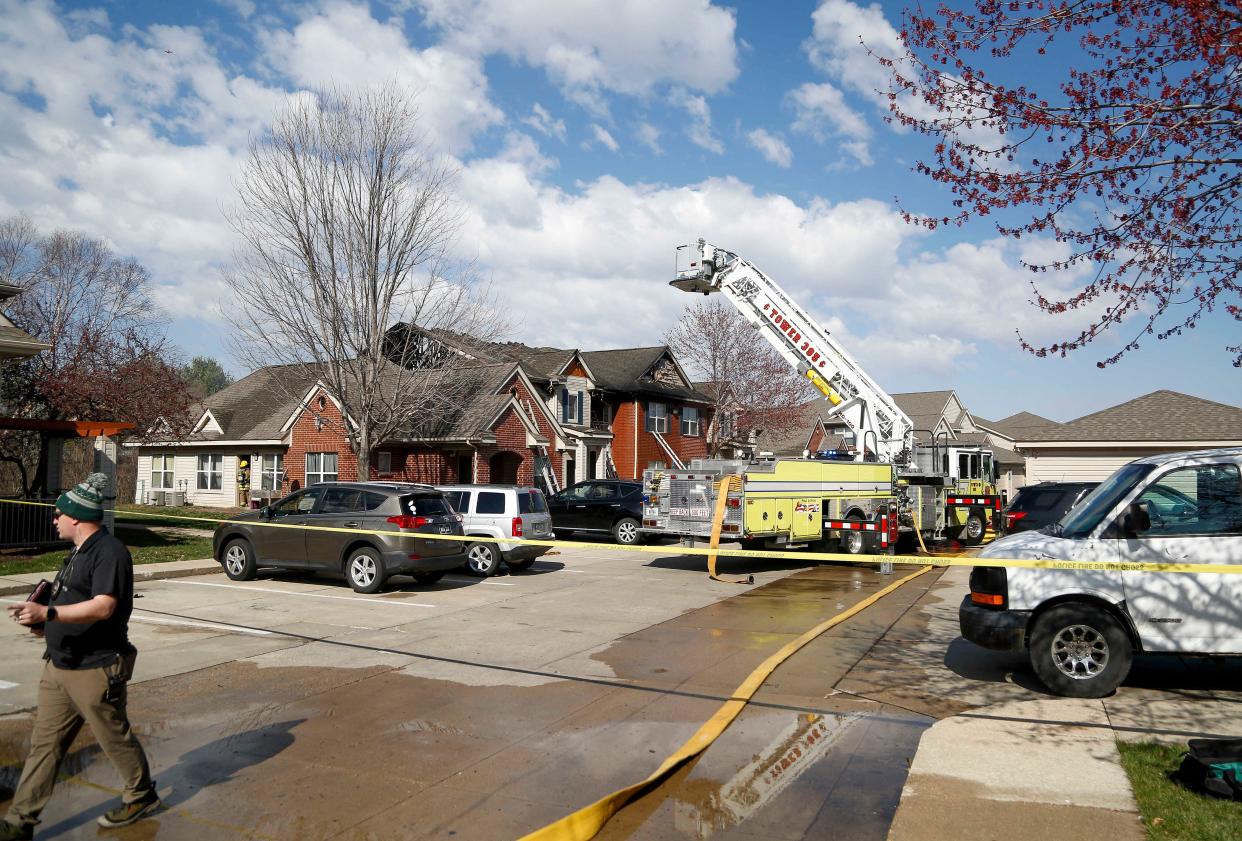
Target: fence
<point x="27" y="525"/>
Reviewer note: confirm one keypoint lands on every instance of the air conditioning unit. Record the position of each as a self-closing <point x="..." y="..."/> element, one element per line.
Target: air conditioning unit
<point x="177" y="499"/>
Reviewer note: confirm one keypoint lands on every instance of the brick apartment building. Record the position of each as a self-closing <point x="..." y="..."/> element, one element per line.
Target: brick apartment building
<point x="520" y="414"/>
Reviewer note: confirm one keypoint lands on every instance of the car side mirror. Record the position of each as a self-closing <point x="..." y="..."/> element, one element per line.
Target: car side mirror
<point x="1136" y="519"/>
<point x="266" y="512"/>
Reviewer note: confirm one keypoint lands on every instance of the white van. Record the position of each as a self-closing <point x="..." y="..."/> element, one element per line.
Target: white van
<point x="1082" y="627"/>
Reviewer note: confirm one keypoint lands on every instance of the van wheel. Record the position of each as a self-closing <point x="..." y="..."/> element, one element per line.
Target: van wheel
<point x="239" y="560"/>
<point x="482" y="559"/>
<point x="852" y="541"/>
<point x="1080" y="651"/>
<point x="365" y="571"/>
<point x="973" y="533"/>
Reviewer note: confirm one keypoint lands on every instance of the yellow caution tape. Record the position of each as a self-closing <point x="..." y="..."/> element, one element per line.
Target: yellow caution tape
<point x="800" y="555"/>
<point x="587" y="821"/>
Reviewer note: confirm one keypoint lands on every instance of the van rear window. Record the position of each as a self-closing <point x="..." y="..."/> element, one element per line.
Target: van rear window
<point x="425" y="505"/>
<point x="1033" y="499"/>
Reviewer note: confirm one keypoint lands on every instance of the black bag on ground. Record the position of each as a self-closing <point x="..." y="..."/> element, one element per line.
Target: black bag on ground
<point x="1213" y="766"/>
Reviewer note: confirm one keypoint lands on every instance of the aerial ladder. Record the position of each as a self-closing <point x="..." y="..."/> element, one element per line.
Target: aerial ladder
<point x="924" y="498"/>
<point x="882" y="431"/>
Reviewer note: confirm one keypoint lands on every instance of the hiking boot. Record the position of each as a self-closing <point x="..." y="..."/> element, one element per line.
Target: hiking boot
<point x="127" y="813"/>
<point x="15" y="831"/>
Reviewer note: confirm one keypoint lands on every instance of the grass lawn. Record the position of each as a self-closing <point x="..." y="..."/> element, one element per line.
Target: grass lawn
<point x="1170" y="812"/>
<point x="146" y="547"/>
<point x="185" y="516"/>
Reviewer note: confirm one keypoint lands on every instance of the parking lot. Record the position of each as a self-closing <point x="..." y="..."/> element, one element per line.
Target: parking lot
<point x="290" y="707"/>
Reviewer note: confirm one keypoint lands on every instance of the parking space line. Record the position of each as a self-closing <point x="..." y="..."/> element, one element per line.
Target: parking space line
<point x="295" y="593"/>
<point x="237" y="629"/>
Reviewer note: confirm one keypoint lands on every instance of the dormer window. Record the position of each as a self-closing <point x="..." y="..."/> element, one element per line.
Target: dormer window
<point x="571" y="406"/>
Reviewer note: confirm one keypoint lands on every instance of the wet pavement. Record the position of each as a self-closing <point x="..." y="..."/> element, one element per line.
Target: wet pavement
<point x="290" y="708"/>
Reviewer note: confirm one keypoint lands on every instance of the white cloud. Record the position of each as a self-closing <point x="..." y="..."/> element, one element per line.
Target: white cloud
<point x="820" y="110"/>
<point x="699" y="127"/>
<point x="593" y="46"/>
<point x="842" y="34"/>
<point x="541" y="120"/>
<point x="344" y="45"/>
<point x="649" y="136"/>
<point x="771" y="146"/>
<point x="602" y="136"/>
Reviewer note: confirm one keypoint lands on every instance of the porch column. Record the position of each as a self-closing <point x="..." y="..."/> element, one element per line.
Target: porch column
<point x="105" y="463"/>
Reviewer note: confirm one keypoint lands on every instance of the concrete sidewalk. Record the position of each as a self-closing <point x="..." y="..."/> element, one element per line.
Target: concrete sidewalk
<point x="1022" y="764"/>
<point x="23" y="583"/>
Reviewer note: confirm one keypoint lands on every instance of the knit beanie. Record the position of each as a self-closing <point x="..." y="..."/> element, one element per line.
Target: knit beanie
<point x="85" y="500"/>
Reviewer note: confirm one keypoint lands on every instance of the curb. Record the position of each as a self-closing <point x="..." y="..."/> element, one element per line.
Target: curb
<point x="206" y="567"/>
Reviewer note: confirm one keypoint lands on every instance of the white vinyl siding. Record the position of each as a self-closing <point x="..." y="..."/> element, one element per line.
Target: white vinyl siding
<point x="1079" y="466"/>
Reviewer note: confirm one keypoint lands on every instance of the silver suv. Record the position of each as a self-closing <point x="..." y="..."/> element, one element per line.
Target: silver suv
<point x="501" y="511"/>
<point x="401" y="512"/>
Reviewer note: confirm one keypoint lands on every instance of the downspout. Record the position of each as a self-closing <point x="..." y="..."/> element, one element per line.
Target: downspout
<point x="637" y="411"/>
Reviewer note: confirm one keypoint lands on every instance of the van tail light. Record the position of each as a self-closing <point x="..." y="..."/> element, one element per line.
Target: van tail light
<point x="1010" y="519"/>
<point x="989" y="599"/>
<point x="405" y="521"/>
<point x="517" y="526"/>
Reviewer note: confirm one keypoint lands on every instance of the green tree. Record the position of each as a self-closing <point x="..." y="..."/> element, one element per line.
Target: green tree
<point x="204" y="376"/>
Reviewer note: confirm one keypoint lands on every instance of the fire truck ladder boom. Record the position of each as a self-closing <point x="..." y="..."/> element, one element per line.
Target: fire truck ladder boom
<point x="879" y="425"/>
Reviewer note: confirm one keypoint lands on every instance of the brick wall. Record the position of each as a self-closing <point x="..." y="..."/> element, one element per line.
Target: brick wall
<point x="423" y="464"/>
<point x="630" y="460"/>
<point x="510" y="437"/>
<point x="545" y="427"/>
<point x="306" y="438"/>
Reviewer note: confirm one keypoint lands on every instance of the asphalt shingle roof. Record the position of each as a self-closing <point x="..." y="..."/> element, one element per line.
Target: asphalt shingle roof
<point x="625" y="371"/>
<point x="1160" y="416"/>
<point x="1023" y="425"/>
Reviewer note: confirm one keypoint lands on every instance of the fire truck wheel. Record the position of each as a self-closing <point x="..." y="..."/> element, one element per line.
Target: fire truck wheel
<point x="973" y="532"/>
<point x="852" y="541"/>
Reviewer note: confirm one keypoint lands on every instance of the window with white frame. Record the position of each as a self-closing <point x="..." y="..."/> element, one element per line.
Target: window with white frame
<point x="657" y="417"/>
<point x="571" y="406"/>
<point x="210" y="472"/>
<point x="384" y="461"/>
<point x="271" y="471"/>
<point x="320" y="467"/>
<point x="162" y="472"/>
<point x="690" y="421"/>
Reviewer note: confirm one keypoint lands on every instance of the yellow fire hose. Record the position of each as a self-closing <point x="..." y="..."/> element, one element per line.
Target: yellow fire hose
<point x="587" y="821"/>
<point x="722" y="493"/>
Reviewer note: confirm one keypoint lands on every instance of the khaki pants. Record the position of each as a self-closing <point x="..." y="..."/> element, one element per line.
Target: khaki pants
<point x="67" y="698"/>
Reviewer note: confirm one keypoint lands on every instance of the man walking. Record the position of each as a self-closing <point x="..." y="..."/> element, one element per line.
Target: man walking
<point x="89" y="661"/>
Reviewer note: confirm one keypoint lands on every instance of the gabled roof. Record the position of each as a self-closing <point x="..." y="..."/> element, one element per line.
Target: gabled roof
<point x="1160" y="416"/>
<point x="627" y="370"/>
<point x="924" y="408"/>
<point x="1022" y="425"/>
<point x="543" y="365"/>
<point x="255" y="407"/>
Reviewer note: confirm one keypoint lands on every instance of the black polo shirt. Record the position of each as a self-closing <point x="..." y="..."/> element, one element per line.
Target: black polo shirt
<point x="100" y="566"/>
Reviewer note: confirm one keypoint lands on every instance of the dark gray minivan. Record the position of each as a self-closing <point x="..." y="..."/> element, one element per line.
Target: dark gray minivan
<point x="400" y="512"/>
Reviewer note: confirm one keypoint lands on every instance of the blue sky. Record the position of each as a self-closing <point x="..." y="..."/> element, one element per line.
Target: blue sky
<point x="592" y="138"/>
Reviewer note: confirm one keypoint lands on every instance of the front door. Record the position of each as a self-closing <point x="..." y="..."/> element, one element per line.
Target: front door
<point x="1196" y="518"/>
<point x="288" y="545"/>
<point x="603" y="503"/>
<point x="342" y="507"/>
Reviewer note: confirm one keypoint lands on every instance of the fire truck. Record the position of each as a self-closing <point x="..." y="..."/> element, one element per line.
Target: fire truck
<point x="855" y="500"/>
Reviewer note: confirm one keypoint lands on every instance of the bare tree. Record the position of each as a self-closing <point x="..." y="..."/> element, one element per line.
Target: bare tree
<point x="346" y="223"/>
<point x="719" y="346"/>
<point x="108" y="356"/>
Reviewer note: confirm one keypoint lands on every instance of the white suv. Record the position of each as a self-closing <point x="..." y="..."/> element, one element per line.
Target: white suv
<point x="501" y="511"/>
<point x="1082" y="627"/>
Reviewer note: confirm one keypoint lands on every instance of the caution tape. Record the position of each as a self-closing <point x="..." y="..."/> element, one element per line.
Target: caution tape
<point x="709" y="552"/>
<point x="587" y="821"/>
